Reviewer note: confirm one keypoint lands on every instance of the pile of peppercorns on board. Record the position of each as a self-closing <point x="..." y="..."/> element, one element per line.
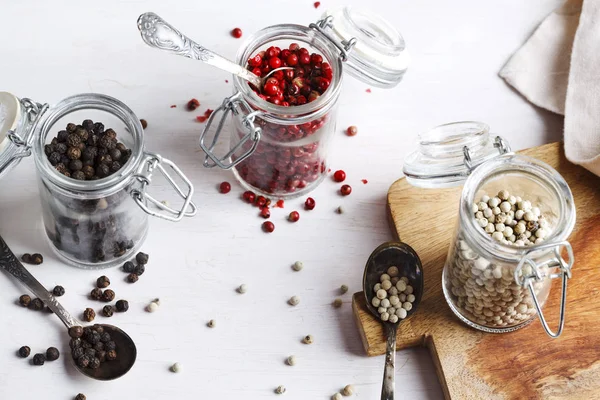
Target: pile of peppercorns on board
<point x="87" y="151"/>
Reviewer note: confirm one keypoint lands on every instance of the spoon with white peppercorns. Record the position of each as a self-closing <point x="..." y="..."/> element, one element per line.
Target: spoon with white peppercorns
<point x="407" y="265"/>
<point x="122" y="346"/>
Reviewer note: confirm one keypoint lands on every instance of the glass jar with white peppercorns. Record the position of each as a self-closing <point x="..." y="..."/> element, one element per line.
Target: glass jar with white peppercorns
<point x="515" y="215"/>
<point x="92" y="219"/>
<point x="281" y="133"/>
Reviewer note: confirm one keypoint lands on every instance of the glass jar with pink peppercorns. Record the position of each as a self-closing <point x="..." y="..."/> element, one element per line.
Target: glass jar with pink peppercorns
<point x="281" y="133"/>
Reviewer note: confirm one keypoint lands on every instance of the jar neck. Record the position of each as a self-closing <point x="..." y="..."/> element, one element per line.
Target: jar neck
<point x="99" y="102"/>
<point x="283" y="35"/>
<point x="540" y="174"/>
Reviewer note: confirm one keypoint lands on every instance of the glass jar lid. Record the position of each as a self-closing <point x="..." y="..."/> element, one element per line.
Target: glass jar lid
<point x="13" y="117"/>
<point x="448" y="153"/>
<point x="375" y="51"/>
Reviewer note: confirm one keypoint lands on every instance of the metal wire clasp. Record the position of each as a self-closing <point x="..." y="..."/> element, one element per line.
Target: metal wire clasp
<point x="144" y="174"/>
<point x="526" y="278"/>
<point x="238" y="107"/>
<point x="499" y="143"/>
<point x="323" y="25"/>
<point x="33" y="112"/>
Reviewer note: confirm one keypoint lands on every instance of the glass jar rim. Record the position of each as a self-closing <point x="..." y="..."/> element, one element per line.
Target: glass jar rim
<point x="273" y="112"/>
<point x="524" y="164"/>
<point x="94" y="101"/>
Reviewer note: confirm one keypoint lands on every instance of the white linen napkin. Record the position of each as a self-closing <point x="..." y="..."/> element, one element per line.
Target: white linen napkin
<point x="558" y="69"/>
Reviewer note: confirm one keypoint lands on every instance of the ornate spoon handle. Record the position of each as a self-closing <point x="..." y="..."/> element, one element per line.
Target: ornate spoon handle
<point x="157" y="33"/>
<point x="13" y="266"/>
<point x="389" y="372"/>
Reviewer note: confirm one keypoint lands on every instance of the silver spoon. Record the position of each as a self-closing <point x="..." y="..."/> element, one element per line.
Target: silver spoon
<point x="125" y="347"/>
<point x="406" y="259"/>
<point x="158" y="33"/>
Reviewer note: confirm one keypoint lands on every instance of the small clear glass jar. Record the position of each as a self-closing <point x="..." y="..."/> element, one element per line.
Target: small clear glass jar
<point x="91" y="223"/>
<point x="490" y="285"/>
<point x="282" y="151"/>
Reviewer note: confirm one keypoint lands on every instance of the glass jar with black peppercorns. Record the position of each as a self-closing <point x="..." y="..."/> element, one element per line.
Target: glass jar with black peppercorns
<point x="282" y="132"/>
<point x="93" y="174"/>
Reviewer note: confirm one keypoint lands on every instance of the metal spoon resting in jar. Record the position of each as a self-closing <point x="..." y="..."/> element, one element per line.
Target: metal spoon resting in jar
<point x="125" y="347"/>
<point x="406" y="259"/>
<point x="157" y="33"/>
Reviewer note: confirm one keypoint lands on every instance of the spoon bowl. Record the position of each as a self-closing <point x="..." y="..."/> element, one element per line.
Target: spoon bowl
<point x="126" y="350"/>
<point x="409" y="265"/>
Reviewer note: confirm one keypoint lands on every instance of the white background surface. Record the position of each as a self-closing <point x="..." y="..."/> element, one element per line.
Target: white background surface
<point x="51" y="50"/>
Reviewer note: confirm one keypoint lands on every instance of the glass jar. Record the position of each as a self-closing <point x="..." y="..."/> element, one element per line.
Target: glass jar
<point x="282" y="151"/>
<point x="489" y="284"/>
<point x="90" y="223"/>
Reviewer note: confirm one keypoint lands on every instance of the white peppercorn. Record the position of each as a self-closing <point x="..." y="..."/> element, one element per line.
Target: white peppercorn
<point x="344" y="289"/>
<point x="487" y="212"/>
<point x="407" y="306"/>
<point x="402" y="297"/>
<point x="242" y="289"/>
<point x="500" y="227"/>
<point x="540" y="233"/>
<point x="497" y="236"/>
<point x="297" y="266"/>
<point x="152" y="307"/>
<point x="482" y="222"/>
<point x="382" y="294"/>
<point x="479" y="214"/>
<point x="394" y="300"/>
<point x="505" y="206"/>
<point x="291" y="361"/>
<point x="404" y="279"/>
<point x="494" y="202"/>
<point x="401" y="285"/>
<point x="529" y="216"/>
<point x="393" y="291"/>
<point x="280" y="389"/>
<point x="348" y="390"/>
<point x="393" y="271"/>
<point x="503" y="194"/>
<point x="508" y="231"/>
<point x="385" y="303"/>
<point x="377" y="287"/>
<point x="490" y="228"/>
<point x="375" y="302"/>
<point x="385" y="285"/>
<point x="496" y="210"/>
<point x="401" y="313"/>
<point x="177" y="367"/>
<point x="482" y="206"/>
<point x="409" y="289"/>
<point x="384" y="316"/>
<point x="381" y="310"/>
<point x="384" y="277"/>
<point x="212" y="323"/>
<point x="410" y="298"/>
<point x="339" y="210"/>
<point x="336" y="396"/>
<point x="512" y="200"/>
<point x="294" y="301"/>
<point x="393" y="318"/>
<point x="337" y="303"/>
<point x="308" y="339"/>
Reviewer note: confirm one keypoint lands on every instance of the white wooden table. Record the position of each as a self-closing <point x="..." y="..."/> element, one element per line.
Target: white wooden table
<point x="51" y="50"/>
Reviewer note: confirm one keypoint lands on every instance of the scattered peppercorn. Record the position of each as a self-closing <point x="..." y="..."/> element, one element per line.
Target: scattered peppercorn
<point x="58" y="291"/>
<point x="89" y="315"/>
<point x="152" y="307"/>
<point x="141" y="258"/>
<point x="225" y="187"/>
<point x="352" y="131"/>
<point x="212" y="323"/>
<point x="308" y="339"/>
<point x="193" y="104"/>
<point x="265" y="212"/>
<point x="236" y="33"/>
<point x="294" y="301"/>
<point x="24" y="351"/>
<point x="317" y="4"/>
<point x="80" y="396"/>
<point x="111" y="355"/>
<point x="36" y="305"/>
<point x="268" y="226"/>
<point x="103" y="282"/>
<point x="176" y="367"/>
<point x="128" y="267"/>
<point x="336" y="396"/>
<point x="144" y="123"/>
<point x="132" y="278"/>
<point x="26" y="258"/>
<point x="297" y="266"/>
<point x="294" y="216"/>
<point x="96" y="294"/>
<point x="345" y="190"/>
<point x="339" y="210"/>
<point x="34" y="259"/>
<point x="24" y="300"/>
<point x="76" y="331"/>
<point x="108" y="295"/>
<point x="107" y="311"/>
<point x="280" y="389"/>
<point x="348" y="390"/>
<point x="337" y="303"/>
<point x="291" y="361"/>
<point x="339" y="176"/>
<point x="39" y="359"/>
<point x="309" y="204"/>
<point x="344" y="289"/>
<point x="139" y="270"/>
<point x="242" y="289"/>
<point x="122" y="305"/>
<point x="52" y="354"/>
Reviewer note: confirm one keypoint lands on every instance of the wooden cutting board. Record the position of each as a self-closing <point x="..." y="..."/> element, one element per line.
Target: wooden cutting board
<point x="526" y="364"/>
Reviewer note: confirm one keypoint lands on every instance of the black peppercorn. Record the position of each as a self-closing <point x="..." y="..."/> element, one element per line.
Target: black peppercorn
<point x="61" y="168"/>
<point x="90" y="352"/>
<point x="73" y="140"/>
<point x="101" y="355"/>
<point x="37" y="259"/>
<point x="73" y="153"/>
<point x="107" y="311"/>
<point x="39" y="359"/>
<point x="24" y="351"/>
<point x="141" y="258"/>
<point x="103" y="282"/>
<point x="139" y="270"/>
<point x="52" y="354"/>
<point x="132" y="278"/>
<point x="115" y="154"/>
<point x="85" y="345"/>
<point x="105" y="159"/>
<point x="80" y="396"/>
<point x="54" y="158"/>
<point x="111" y="355"/>
<point x="115" y="166"/>
<point x="108" y="296"/>
<point x="98" y="328"/>
<point x="88" y="171"/>
<point x="107" y="142"/>
<point x="121" y="147"/>
<point x="102" y="170"/>
<point x="76" y="331"/>
<point x="79" y="175"/>
<point x="75" y="165"/>
<point x="24" y="300"/>
<point x="122" y="305"/>
<point x="36" y="305"/>
<point x="88" y="124"/>
<point x="83" y="361"/>
<point x="98" y="128"/>
<point x="26" y="258"/>
<point x="105" y="337"/>
<point x="110" y="133"/>
<point x="89" y="315"/>
<point x="144" y="123"/>
<point x="61" y="148"/>
<point x="62" y="136"/>
<point x="96" y="294"/>
<point x="75" y="343"/>
<point x="58" y="291"/>
<point x="110" y="345"/>
<point x="98" y="347"/>
<point x="82" y="133"/>
<point x="94" y="363"/>
<point x="128" y="267"/>
<point x="48" y="149"/>
<point x="71" y="127"/>
<point x="78" y="352"/>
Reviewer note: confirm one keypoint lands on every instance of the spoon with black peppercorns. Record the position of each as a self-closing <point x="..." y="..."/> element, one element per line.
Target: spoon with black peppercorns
<point x="404" y="262"/>
<point x="157" y="33"/>
<point x="102" y="352"/>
